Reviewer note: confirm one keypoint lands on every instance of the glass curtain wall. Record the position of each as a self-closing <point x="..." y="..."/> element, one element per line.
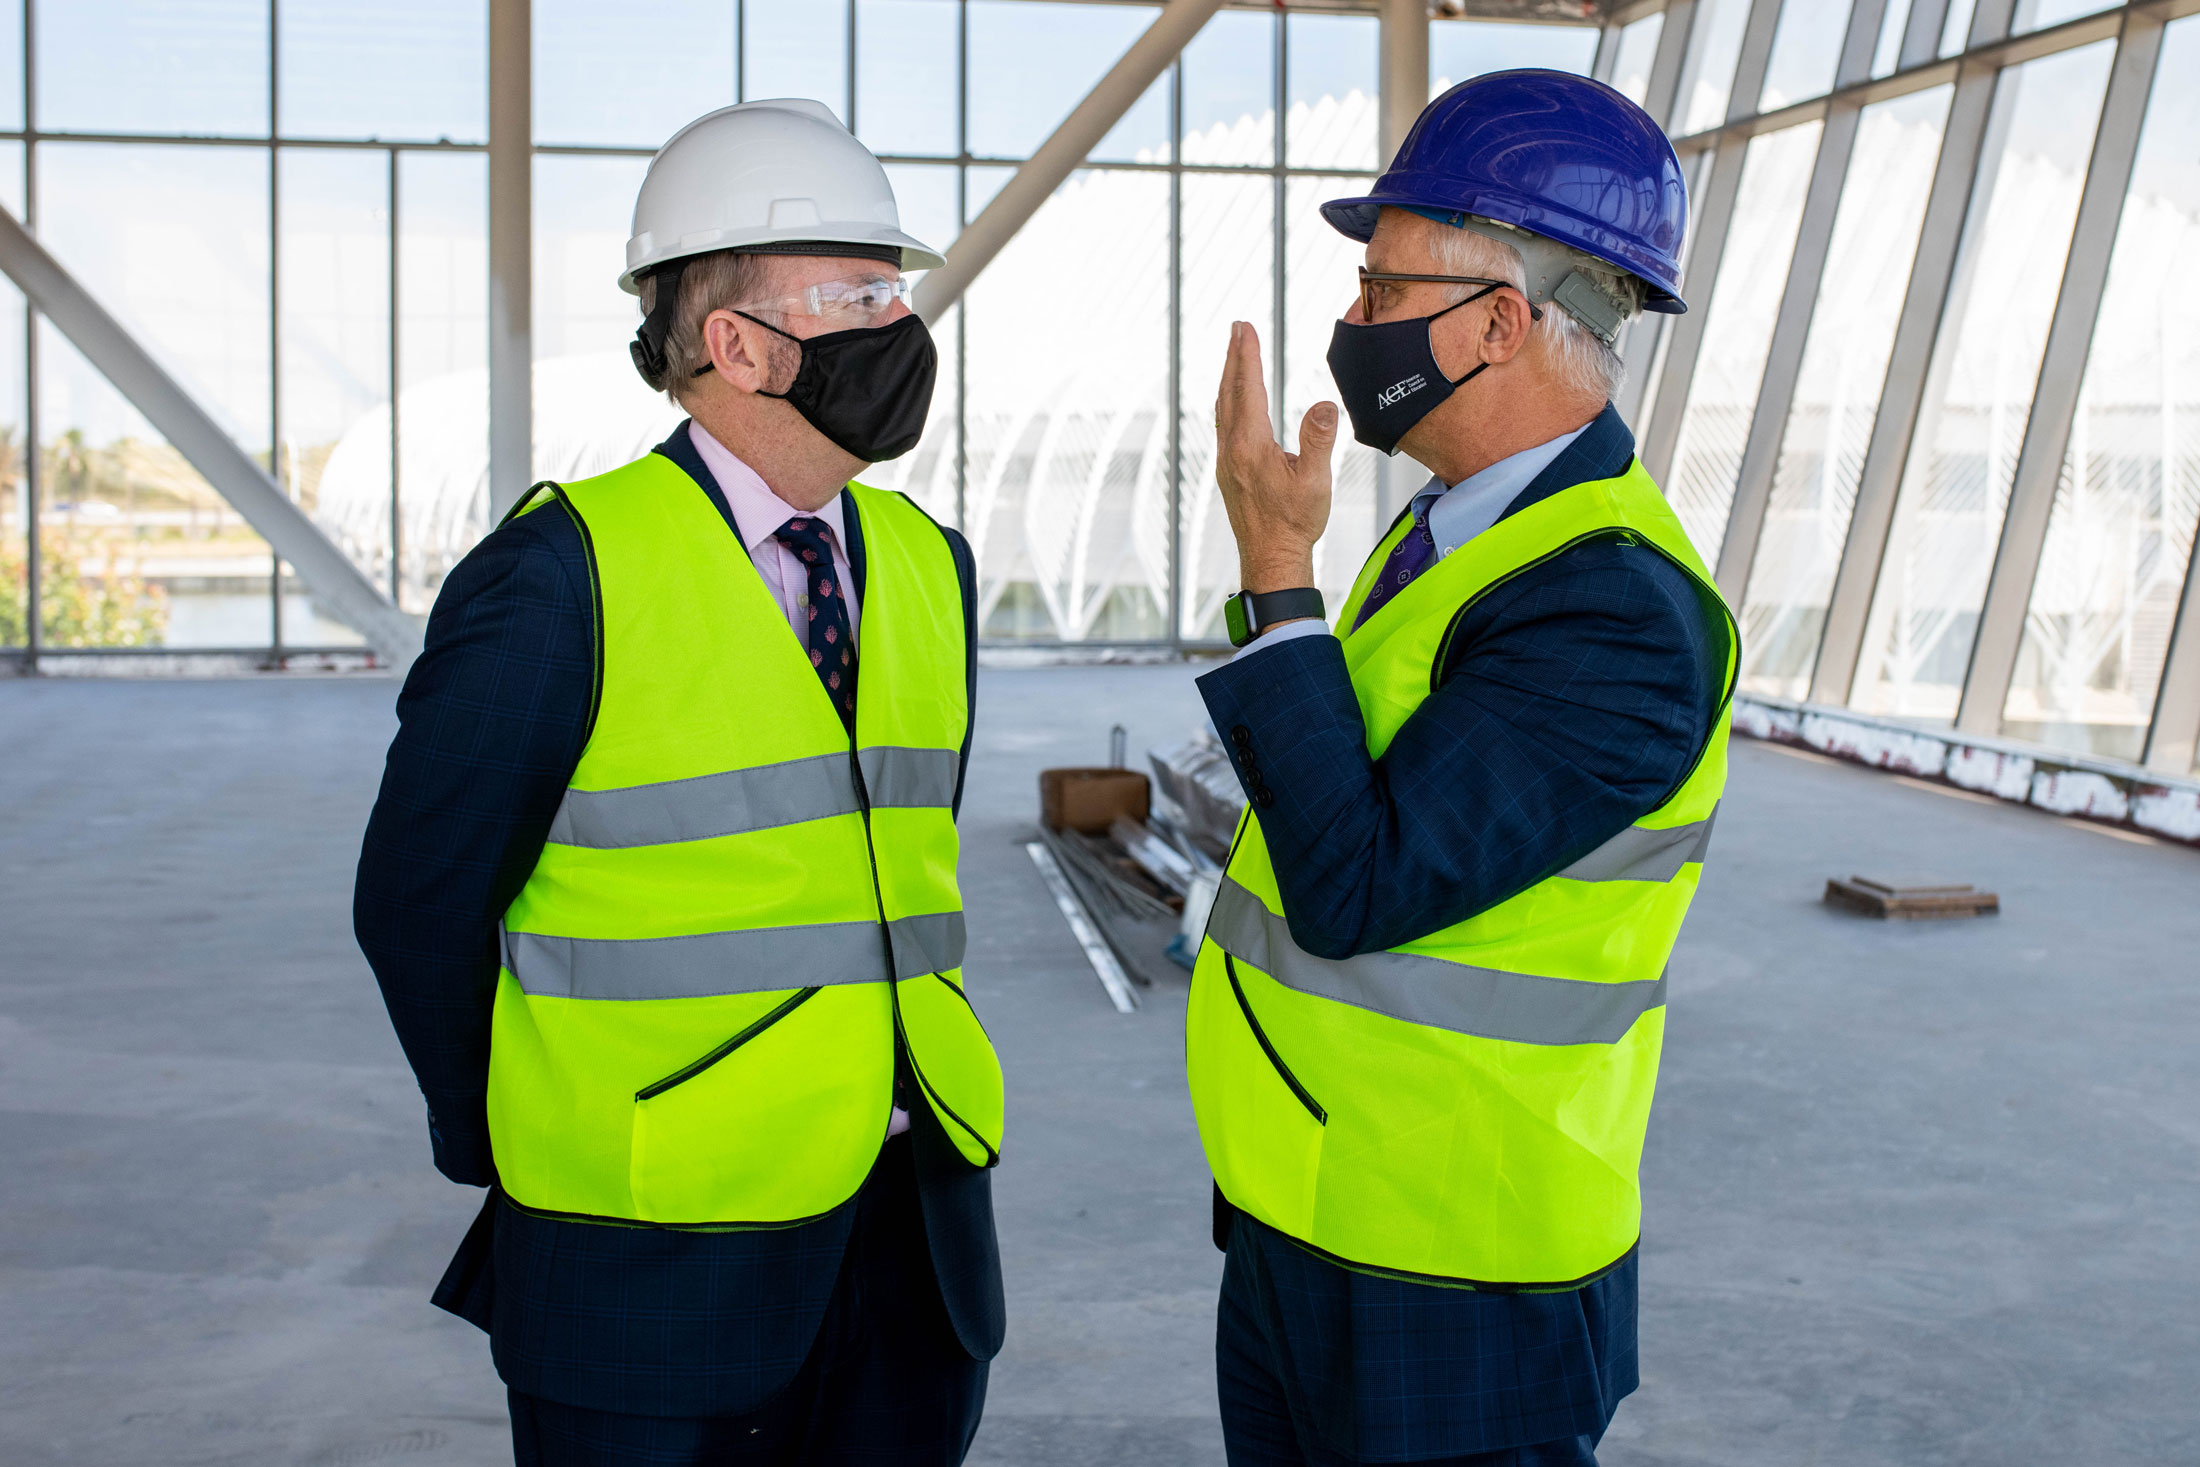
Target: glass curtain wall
<point x="1072" y="436"/>
<point x="1978" y="394"/>
<point x="283" y="203"/>
<point x="2000" y="204"/>
<point x="2120" y="536"/>
<point x="285" y="200"/>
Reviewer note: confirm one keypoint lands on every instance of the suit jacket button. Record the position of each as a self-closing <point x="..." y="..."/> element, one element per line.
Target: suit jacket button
<point x="1263" y="796"/>
<point x="1242" y="736"/>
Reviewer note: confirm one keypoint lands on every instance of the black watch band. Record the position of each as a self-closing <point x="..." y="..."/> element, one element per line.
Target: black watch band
<point x="1249" y="613"/>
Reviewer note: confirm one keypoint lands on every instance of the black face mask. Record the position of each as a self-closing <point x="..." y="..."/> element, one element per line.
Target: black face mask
<point x="1388" y="377"/>
<point x="869" y="389"/>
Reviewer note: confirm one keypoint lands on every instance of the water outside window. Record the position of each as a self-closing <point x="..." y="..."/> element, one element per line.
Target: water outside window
<point x="2120" y="535"/>
<point x="1730" y="365"/>
<point x="1867" y="272"/>
<point x="1978" y="391"/>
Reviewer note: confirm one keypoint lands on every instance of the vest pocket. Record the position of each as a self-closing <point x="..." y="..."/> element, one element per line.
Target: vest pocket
<point x="696" y="1066"/>
<point x="1283" y="1071"/>
<point x="777" y="1124"/>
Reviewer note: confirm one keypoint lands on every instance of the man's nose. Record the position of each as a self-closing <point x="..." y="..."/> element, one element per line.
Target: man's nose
<point x="1353" y="315"/>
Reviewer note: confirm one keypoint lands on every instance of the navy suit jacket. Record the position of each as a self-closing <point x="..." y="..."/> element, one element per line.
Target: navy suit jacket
<point x="492" y="721"/>
<point x="1575" y="699"/>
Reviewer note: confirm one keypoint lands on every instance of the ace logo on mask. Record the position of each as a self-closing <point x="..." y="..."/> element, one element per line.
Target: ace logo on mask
<point x="1397" y="392"/>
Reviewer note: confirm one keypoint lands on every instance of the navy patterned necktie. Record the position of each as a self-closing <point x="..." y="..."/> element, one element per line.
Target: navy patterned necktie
<point x="1408" y="558"/>
<point x="832" y="648"/>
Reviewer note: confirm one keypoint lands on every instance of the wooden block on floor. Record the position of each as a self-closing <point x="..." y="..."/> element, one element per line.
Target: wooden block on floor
<point x="1911" y="900"/>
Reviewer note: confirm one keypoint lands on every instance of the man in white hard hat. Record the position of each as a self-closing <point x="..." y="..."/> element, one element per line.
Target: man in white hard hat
<point x="661" y="887"/>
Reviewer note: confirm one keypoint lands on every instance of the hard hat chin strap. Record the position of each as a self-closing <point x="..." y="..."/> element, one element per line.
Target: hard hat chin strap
<point x="648" y="346"/>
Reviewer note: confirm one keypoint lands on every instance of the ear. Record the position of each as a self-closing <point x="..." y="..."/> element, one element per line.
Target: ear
<point x="1510" y="321"/>
<point x="739" y="349"/>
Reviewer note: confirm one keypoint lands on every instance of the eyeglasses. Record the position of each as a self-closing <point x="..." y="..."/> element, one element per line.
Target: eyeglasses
<point x="1375" y="286"/>
<point x="852" y="298"/>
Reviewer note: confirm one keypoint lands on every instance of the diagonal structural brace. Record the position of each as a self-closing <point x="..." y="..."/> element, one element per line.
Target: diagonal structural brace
<point x="117" y="354"/>
<point x="1058" y="157"/>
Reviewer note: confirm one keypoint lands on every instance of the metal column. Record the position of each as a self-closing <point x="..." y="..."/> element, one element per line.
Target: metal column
<point x="1909" y="362"/>
<point x="1403" y="85"/>
<point x="1798" y="302"/>
<point x="1402" y="80"/>
<point x="511" y="245"/>
<point x="2062" y="371"/>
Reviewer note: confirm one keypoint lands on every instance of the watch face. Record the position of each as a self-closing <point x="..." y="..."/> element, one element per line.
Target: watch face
<point x="1235" y="621"/>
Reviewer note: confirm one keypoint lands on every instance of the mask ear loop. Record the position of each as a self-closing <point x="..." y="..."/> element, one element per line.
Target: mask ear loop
<point x="1535" y="313"/>
<point x="768" y="326"/>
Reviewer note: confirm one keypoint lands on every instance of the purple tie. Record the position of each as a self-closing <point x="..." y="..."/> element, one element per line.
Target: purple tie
<point x="1408" y="558"/>
<point x="832" y="650"/>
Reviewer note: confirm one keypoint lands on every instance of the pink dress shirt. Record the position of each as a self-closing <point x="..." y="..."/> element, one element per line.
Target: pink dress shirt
<point x="759" y="513"/>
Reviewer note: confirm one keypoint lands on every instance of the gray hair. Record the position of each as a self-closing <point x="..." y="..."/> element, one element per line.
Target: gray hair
<point x="709" y="282"/>
<point x="1582" y="358"/>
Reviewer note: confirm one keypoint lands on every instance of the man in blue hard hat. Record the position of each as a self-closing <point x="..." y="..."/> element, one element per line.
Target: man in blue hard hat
<point x="1425" y="1023"/>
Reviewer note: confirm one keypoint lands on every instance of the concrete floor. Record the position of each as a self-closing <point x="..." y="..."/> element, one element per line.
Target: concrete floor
<point x="1916" y="1194"/>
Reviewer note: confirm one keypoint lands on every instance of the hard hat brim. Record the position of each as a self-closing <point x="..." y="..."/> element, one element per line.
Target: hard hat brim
<point x="1355" y="219"/>
<point x="915" y="254"/>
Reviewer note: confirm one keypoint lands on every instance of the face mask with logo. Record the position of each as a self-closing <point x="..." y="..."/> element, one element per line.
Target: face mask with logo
<point x="1387" y="375"/>
<point x="868" y="389"/>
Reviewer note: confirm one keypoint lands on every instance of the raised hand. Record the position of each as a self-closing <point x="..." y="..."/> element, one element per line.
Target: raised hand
<point x="1278" y="502"/>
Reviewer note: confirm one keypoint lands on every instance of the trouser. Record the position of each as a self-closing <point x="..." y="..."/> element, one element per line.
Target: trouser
<point x="886" y="1384"/>
<point x="1264" y="1417"/>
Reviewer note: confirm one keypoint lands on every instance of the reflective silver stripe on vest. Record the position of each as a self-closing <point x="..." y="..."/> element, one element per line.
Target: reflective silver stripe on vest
<point x="1523" y="1008"/>
<point x="1636" y="854"/>
<point x="758" y="960"/>
<point x="910" y="778"/>
<point x="741" y="800"/>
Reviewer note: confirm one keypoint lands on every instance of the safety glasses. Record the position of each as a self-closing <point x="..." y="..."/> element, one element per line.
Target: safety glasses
<point x="850" y="298"/>
<point x="1376" y="287"/>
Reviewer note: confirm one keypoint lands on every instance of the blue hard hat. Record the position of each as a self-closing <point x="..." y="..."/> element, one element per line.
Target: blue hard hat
<point x="1555" y="154"/>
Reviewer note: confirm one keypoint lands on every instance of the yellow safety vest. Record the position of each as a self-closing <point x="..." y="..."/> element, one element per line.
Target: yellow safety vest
<point x="740" y="910"/>
<point x="1467" y="1108"/>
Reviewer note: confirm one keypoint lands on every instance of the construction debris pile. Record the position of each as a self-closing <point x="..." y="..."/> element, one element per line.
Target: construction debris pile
<point x="1143" y="856"/>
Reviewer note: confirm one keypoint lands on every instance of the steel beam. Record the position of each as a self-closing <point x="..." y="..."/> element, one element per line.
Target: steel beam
<point x="116" y="352"/>
<point x="1921" y="34"/>
<point x="1059" y="156"/>
<point x="1668" y="61"/>
<point x="2173" y="739"/>
<point x="1798" y="303"/>
<point x="511" y="254"/>
<point x="1909" y="365"/>
<point x="2062" y="371"/>
<point x="1402" y="80"/>
<point x="1661" y="434"/>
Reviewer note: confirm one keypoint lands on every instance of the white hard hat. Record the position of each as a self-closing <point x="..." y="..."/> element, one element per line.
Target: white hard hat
<point x="762" y="174"/>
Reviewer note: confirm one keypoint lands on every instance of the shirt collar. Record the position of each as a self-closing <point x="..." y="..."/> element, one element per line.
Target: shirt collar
<point x="1463" y="511"/>
<point x="757" y="511"/>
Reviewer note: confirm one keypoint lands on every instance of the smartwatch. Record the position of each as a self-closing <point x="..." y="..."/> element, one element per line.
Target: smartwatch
<point x="1249" y="613"/>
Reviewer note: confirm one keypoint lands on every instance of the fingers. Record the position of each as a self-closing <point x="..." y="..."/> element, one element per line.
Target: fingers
<point x="1241" y="409"/>
<point x="1318" y="433"/>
